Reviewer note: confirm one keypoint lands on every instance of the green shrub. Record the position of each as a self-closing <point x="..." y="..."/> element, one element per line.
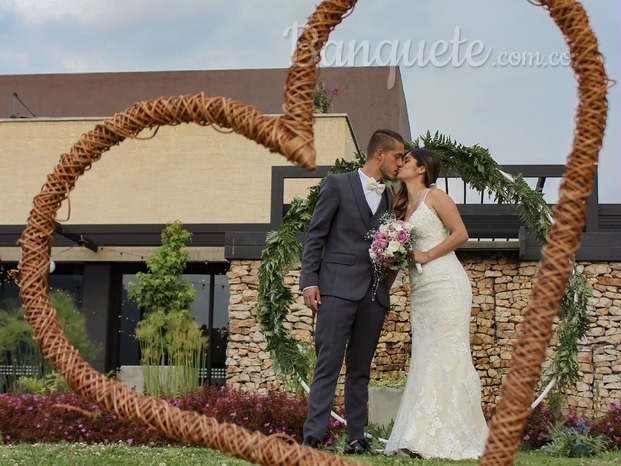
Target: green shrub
<point x="609" y="426"/>
<point x="574" y="442"/>
<point x="394" y="381"/>
<point x="175" y="340"/>
<point x="167" y="334"/>
<point x="46" y="385"/>
<point x="18" y="348"/>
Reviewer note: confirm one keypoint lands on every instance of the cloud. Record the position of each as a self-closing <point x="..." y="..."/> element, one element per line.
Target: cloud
<point x="522" y="113"/>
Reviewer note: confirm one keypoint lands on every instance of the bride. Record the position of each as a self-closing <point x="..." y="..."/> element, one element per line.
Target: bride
<point x="440" y="414"/>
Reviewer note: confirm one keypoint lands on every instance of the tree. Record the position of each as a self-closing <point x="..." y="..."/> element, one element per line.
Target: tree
<point x="167" y="334"/>
<point x="162" y="286"/>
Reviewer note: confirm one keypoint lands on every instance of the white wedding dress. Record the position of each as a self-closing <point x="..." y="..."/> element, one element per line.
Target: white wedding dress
<point x="440" y="414"/>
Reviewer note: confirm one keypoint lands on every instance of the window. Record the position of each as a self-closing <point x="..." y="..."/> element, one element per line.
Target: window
<point x="217" y="330"/>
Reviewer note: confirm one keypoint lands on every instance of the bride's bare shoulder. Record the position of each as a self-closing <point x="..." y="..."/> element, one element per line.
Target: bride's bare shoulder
<point x="438" y="199"/>
<point x="436" y="193"/>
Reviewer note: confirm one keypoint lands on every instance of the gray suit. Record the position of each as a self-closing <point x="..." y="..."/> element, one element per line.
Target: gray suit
<point x="349" y="322"/>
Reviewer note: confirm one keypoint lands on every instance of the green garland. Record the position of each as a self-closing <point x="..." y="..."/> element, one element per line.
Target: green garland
<point x="282" y="254"/>
<point x="476" y="167"/>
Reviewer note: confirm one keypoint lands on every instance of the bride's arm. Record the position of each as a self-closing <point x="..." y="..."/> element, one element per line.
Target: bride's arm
<point x="447" y="211"/>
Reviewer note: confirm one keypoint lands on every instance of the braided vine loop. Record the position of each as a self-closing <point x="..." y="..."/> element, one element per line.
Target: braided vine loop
<point x="302" y="75"/>
<point x="563" y="240"/>
<point x="291" y="135"/>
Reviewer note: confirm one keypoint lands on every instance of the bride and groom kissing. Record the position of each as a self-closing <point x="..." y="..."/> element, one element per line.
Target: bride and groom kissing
<point x="440" y="414"/>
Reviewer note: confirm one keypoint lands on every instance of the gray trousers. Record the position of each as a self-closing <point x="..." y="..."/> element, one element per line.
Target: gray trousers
<point x="351" y="329"/>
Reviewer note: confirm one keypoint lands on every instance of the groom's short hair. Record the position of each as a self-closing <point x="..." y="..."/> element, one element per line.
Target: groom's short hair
<point x="383" y="139"/>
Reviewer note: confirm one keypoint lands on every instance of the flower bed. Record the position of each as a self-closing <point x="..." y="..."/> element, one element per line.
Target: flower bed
<point x="67" y="417"/>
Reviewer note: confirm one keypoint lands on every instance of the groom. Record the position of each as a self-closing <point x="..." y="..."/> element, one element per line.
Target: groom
<point x="336" y="279"/>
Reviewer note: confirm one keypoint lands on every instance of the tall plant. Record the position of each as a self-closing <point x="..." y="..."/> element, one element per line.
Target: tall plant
<point x="18" y="349"/>
<point x="171" y="343"/>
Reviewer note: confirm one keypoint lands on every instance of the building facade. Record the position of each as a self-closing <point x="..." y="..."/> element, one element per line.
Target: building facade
<point x="230" y="192"/>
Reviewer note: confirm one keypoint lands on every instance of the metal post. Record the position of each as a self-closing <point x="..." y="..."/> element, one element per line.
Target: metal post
<point x="212" y="279"/>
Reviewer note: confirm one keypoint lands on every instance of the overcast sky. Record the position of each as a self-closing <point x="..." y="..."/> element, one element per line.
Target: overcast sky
<point x="475" y="91"/>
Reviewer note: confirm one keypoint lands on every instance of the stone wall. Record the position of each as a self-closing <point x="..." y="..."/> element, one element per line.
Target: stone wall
<point x="501" y="285"/>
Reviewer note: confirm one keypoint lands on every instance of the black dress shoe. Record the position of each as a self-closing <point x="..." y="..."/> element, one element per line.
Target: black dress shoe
<point x="313" y="442"/>
<point x="358" y="447"/>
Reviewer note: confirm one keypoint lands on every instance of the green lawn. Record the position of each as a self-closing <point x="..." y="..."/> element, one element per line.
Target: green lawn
<point x="76" y="454"/>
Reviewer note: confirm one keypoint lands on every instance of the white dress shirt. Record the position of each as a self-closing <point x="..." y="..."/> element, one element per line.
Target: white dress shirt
<point x="373" y="199"/>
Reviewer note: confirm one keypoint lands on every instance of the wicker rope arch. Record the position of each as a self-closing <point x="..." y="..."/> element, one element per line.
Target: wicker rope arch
<point x="291" y="135"/>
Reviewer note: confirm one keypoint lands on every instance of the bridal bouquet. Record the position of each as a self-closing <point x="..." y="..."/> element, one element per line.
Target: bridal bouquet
<point x="390" y="245"/>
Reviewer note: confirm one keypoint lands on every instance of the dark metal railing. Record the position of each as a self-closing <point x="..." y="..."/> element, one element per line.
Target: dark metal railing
<point x="489" y="220"/>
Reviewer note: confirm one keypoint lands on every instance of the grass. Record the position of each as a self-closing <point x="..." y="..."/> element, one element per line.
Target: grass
<point x="79" y="454"/>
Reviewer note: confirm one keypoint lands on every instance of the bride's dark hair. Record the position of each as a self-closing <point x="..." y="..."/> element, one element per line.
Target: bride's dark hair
<point x="425" y="158"/>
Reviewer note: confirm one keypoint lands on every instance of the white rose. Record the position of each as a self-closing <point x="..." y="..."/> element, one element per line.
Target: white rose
<point x="394" y="246"/>
<point x="383" y="229"/>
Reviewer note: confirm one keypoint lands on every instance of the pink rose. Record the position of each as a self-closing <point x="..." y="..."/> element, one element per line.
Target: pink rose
<point x="402" y="236"/>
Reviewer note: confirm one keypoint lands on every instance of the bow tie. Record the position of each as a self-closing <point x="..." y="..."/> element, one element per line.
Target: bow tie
<point x="376" y="186"/>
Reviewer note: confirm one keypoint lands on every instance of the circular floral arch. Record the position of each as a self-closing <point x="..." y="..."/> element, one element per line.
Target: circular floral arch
<point x="292" y="135"/>
<point x="477" y="168"/>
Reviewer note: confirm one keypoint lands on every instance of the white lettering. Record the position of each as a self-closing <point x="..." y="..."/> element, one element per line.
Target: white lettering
<point x="456" y="52"/>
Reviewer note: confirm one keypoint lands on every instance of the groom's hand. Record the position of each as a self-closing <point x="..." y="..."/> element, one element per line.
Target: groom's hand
<point x="312" y="298"/>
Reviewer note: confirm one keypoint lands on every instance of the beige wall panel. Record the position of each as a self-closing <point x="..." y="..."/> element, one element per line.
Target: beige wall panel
<point x="187" y="172"/>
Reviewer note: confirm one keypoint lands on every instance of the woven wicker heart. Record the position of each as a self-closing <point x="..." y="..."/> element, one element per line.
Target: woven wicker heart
<point x="292" y="136"/>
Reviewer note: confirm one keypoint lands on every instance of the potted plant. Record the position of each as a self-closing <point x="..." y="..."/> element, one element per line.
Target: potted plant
<point x="172" y="345"/>
<point x="384" y="398"/>
<point x="323" y="97"/>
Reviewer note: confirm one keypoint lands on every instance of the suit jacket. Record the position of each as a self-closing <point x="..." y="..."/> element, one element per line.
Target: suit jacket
<point x="336" y="252"/>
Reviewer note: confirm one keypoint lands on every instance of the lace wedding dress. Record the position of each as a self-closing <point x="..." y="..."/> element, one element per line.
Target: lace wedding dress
<point x="440" y="415"/>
